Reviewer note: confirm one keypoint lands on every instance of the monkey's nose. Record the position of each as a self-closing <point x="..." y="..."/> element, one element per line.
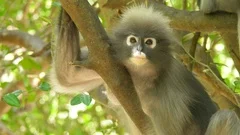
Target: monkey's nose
<point x="139" y="48"/>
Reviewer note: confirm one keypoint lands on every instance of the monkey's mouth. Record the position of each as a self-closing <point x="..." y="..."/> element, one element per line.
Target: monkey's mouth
<point x="139" y="55"/>
<point x="138" y="58"/>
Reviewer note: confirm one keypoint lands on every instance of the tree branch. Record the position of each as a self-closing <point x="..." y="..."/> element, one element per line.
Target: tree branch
<point x="195" y="21"/>
<point x="15" y="37"/>
<point x="116" y="77"/>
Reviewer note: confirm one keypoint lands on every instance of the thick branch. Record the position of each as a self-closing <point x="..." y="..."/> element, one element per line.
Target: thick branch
<point x="101" y="60"/>
<point x="198" y="21"/>
<point x="15" y="37"/>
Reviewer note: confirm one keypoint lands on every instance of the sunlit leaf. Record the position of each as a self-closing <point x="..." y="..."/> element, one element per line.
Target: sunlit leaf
<point x="229" y="83"/>
<point x="31" y="97"/>
<point x="177" y="4"/>
<point x="11" y="99"/>
<point x="4" y="50"/>
<point x="237" y="90"/>
<point x="2" y="11"/>
<point x="44" y="86"/>
<point x="28" y="63"/>
<point x="213" y="36"/>
<point x="3" y="84"/>
<point x="237" y="84"/>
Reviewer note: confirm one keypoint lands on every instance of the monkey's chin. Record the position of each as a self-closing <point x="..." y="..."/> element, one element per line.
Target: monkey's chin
<point x="138" y="61"/>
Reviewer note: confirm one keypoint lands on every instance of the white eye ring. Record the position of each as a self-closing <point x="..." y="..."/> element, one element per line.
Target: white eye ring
<point x="131" y="40"/>
<point x="150" y="42"/>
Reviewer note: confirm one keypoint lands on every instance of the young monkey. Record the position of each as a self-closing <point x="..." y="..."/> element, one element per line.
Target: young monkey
<point x="169" y="94"/>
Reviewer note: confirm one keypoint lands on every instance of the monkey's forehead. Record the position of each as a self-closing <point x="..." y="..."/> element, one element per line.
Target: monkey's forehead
<point x="142" y="19"/>
<point x="145" y="14"/>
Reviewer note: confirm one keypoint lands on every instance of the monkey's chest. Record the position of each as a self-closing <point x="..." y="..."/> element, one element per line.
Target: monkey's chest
<point x="143" y="78"/>
<point x="145" y="86"/>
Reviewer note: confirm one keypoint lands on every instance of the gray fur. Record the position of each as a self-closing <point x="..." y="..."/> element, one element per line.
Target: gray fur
<point x="174" y="100"/>
<point x="224" y="122"/>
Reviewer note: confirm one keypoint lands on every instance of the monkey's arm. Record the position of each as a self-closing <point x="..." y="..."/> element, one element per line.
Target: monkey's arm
<point x="64" y="76"/>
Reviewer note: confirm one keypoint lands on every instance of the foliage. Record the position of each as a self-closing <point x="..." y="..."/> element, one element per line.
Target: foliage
<point x="81" y="98"/>
<point x="11" y="98"/>
<point x="24" y="84"/>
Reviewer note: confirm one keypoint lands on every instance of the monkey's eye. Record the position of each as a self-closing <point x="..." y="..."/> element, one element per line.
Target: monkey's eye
<point x="151" y="42"/>
<point x="131" y="40"/>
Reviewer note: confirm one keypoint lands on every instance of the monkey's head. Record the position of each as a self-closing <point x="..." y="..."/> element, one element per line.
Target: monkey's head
<point x="142" y="36"/>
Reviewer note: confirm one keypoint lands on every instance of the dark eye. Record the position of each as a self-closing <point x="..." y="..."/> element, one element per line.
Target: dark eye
<point x="150" y="42"/>
<point x="131" y="40"/>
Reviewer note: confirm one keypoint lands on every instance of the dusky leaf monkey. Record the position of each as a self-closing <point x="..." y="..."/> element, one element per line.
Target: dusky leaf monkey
<point x="142" y="41"/>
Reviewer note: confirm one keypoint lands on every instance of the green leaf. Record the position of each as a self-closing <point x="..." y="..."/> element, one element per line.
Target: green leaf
<point x="2" y="11"/>
<point x="81" y="98"/>
<point x="237" y="84"/>
<point x="17" y="92"/>
<point x="4" y="50"/>
<point x="237" y="90"/>
<point x="86" y="99"/>
<point x="11" y="99"/>
<point x="3" y="84"/>
<point x="76" y="100"/>
<point x="44" y="86"/>
<point x="28" y="63"/>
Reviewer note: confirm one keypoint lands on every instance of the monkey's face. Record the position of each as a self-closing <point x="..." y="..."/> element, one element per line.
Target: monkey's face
<point x="141" y="46"/>
<point x="142" y="36"/>
<point x="137" y="46"/>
